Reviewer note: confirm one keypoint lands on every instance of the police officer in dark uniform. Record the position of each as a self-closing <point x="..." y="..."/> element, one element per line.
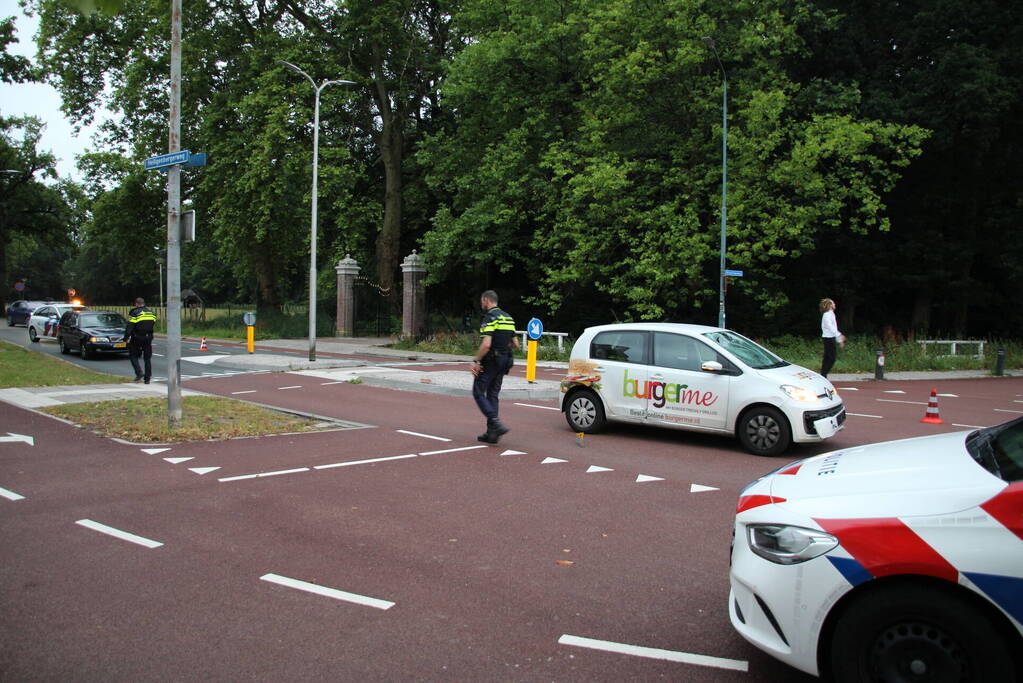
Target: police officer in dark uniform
<point x="139" y="335"/>
<point x="492" y="362"/>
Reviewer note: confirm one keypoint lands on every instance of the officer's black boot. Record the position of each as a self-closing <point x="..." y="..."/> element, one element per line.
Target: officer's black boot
<point x="499" y="429"/>
<point x="489" y="436"/>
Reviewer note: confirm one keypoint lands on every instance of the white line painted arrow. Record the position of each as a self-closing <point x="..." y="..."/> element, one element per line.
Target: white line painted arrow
<point x="699" y="488"/>
<point x="17" y="437"/>
<point x="548" y="461"/>
<point x="646" y="477"/>
<point x="511" y="452"/>
<point x="203" y="470"/>
<point x="177" y="461"/>
<point x="598" y="468"/>
<point x="154" y="451"/>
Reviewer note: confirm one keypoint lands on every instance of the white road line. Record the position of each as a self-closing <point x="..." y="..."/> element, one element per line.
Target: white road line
<point x="425" y="436"/>
<point x="969" y="426"/>
<point x="1002" y="410"/>
<point x="11" y="495"/>
<point x="530" y="405"/>
<point x="327" y="592"/>
<point x="264" y="474"/>
<point x="891" y="400"/>
<point x="655" y="653"/>
<point x="249" y="391"/>
<point x="323" y="384"/>
<point x="364" y="462"/>
<point x="879" y="417"/>
<point x="117" y="533"/>
<point x="297" y="386"/>
<point x="453" y="450"/>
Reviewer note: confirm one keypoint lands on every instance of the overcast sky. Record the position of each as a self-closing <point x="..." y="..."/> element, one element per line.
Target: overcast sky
<point x="40" y="100"/>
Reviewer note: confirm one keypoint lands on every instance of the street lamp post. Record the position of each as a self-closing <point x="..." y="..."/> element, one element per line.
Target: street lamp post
<point x="709" y="42"/>
<point x="312" y="240"/>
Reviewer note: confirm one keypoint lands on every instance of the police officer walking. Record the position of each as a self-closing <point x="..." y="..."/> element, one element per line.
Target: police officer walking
<point x="492" y="362"/>
<point x="139" y="335"/>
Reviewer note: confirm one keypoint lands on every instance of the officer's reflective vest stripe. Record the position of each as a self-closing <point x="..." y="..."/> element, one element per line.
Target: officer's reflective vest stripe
<point x="143" y="315"/>
<point x="501" y="322"/>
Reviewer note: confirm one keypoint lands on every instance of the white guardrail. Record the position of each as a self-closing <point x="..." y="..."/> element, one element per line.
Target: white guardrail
<point x="955" y="343"/>
<point x="560" y="335"/>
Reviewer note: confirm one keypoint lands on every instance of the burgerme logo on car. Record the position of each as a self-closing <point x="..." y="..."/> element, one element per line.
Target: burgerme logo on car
<point x="667" y="392"/>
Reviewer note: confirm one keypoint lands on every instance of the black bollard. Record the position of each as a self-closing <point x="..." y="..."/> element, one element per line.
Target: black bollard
<point x="879" y="365"/>
<point x="1000" y="363"/>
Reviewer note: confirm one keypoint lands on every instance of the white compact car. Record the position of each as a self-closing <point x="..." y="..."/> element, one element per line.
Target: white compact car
<point x="698" y="378"/>
<point x="45" y="320"/>
<point x="899" y="561"/>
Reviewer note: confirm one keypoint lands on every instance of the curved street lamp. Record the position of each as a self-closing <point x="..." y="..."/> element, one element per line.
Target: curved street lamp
<point x="312" y="241"/>
<point x="709" y="42"/>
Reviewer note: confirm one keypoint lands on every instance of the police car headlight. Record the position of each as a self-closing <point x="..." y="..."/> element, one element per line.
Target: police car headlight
<point x="799" y="393"/>
<point x="784" y="544"/>
<point x="99" y="339"/>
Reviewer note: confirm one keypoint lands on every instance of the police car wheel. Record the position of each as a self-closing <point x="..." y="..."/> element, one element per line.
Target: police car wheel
<point x="32" y="334"/>
<point x="764" y="431"/>
<point x="917" y="633"/>
<point x="584" y="412"/>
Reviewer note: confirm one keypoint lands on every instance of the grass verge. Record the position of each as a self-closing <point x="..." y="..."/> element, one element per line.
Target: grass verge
<point x="23" y="368"/>
<point x="144" y="420"/>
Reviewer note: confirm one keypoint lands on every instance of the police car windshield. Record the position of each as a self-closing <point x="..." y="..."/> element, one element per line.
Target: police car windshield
<point x="749" y="352"/>
<point x="999" y="449"/>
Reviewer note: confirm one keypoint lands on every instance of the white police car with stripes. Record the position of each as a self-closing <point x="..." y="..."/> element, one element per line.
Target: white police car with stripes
<point x="898" y="561"/>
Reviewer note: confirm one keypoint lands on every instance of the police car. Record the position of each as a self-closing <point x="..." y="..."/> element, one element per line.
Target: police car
<point x="899" y="561"/>
<point x="698" y="378"/>
<point x="45" y="320"/>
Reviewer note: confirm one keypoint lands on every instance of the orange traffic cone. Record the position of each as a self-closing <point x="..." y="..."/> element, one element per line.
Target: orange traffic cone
<point x="931" y="416"/>
<point x="202" y="345"/>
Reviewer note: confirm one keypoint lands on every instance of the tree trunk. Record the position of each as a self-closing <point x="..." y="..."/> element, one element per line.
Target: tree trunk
<point x="391" y="142"/>
<point x="266" y="277"/>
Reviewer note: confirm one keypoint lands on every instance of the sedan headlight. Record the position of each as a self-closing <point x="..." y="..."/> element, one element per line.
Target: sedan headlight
<point x="799" y="393"/>
<point x="784" y="544"/>
<point x="94" y="340"/>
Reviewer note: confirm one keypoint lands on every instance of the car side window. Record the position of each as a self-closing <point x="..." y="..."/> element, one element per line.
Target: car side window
<point x="676" y="351"/>
<point x="628" y="347"/>
<point x="68" y="319"/>
<point x="45" y="312"/>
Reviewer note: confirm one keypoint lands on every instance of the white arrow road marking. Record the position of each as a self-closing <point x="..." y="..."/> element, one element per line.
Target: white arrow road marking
<point x="154" y="451"/>
<point x="11" y="495"/>
<point x="327" y="592"/>
<point x="655" y="653"/>
<point x="17" y="437"/>
<point x="205" y="360"/>
<point x="646" y="477"/>
<point x="117" y="533"/>
<point x="598" y="468"/>
<point x="548" y="461"/>
<point x="175" y="461"/>
<point x="511" y="452"/>
<point x="699" y="488"/>
<point x="203" y="470"/>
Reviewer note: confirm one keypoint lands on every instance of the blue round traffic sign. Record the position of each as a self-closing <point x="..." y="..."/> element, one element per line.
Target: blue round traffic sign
<point x="534" y="329"/>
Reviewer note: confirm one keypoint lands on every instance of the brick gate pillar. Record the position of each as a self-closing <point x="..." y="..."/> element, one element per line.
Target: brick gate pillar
<point x="413" y="298"/>
<point x="347" y="268"/>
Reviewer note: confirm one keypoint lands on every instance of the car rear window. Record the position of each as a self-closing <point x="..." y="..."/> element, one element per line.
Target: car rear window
<point x="102" y="320"/>
<point x="629" y="347"/>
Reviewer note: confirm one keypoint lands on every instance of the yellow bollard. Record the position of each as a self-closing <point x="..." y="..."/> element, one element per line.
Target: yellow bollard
<point x="251" y="337"/>
<point x="531" y="361"/>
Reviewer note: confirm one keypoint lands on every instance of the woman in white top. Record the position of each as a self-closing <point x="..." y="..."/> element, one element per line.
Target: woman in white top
<point x="830" y="335"/>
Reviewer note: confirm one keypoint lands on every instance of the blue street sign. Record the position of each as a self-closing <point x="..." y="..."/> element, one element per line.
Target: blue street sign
<point x="534" y="329"/>
<point x="197" y="159"/>
<point x="167" y="159"/>
<point x="733" y="273"/>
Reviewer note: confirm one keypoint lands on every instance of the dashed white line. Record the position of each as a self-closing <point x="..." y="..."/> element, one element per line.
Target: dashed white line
<point x="1003" y="410"/>
<point x="11" y="495"/>
<point x="364" y="462"/>
<point x="249" y="391"/>
<point x="265" y="474"/>
<point x="655" y="653"/>
<point x="879" y="417"/>
<point x="425" y="436"/>
<point x="531" y="405"/>
<point x="891" y="400"/>
<point x="453" y="450"/>
<point x="297" y="386"/>
<point x="117" y="533"/>
<point x="968" y="426"/>
<point x="323" y="384"/>
<point x="327" y="592"/>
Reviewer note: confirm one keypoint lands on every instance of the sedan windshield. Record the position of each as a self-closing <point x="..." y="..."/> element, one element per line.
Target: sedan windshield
<point x="999" y="449"/>
<point x="103" y="320"/>
<point x="749" y="352"/>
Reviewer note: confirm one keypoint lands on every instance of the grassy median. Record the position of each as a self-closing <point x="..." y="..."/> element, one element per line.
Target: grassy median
<point x="144" y="420"/>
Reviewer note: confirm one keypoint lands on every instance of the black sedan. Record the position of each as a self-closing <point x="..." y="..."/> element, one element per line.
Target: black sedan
<point x="92" y="332"/>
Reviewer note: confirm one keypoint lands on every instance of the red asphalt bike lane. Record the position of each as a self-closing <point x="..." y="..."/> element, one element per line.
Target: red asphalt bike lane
<point x="467" y="544"/>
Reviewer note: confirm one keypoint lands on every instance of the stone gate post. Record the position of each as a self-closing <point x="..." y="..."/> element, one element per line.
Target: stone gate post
<point x="413" y="299"/>
<point x="347" y="269"/>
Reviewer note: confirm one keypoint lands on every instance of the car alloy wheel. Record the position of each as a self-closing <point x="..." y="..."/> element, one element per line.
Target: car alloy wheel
<point x="584" y="412"/>
<point x="765" y="431"/>
<point x="32" y="334"/>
